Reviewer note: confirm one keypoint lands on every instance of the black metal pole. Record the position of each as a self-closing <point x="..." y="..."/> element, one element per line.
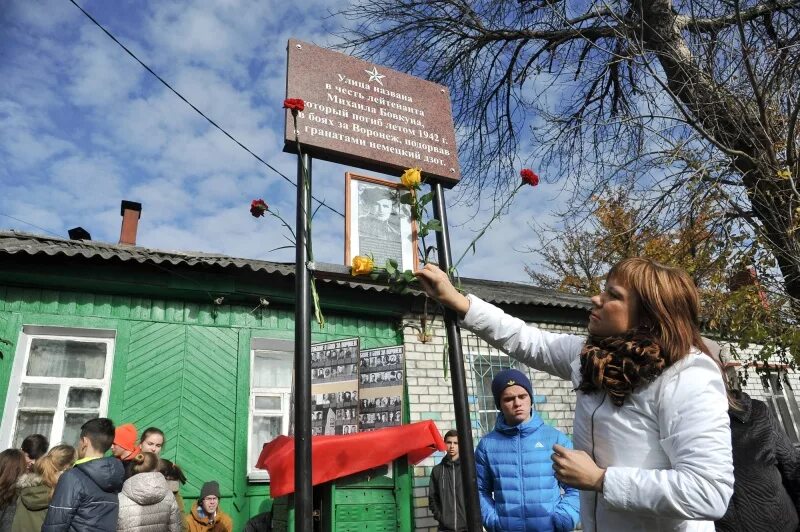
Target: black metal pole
<point x="466" y="453"/>
<point x="303" y="497"/>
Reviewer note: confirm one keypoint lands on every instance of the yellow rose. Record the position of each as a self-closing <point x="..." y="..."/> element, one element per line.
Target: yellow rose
<point x="362" y="265"/>
<point x="411" y="178"/>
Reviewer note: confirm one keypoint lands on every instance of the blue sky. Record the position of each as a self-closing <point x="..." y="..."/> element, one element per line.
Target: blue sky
<point x="83" y="126"/>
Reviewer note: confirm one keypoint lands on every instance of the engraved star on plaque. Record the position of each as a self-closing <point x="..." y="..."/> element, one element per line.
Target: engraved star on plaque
<point x="374" y="76"/>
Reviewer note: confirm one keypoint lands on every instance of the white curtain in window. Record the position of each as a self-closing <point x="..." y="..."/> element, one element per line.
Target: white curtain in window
<point x="272" y="370"/>
<point x="66" y="358"/>
<point x="32" y="423"/>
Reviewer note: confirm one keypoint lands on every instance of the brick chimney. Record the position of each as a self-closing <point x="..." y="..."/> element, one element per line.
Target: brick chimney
<point x="130" y="211"/>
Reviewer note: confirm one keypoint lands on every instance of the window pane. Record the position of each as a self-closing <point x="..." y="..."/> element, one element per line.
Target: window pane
<point x="272" y="370"/>
<point x="786" y="417"/>
<point x="488" y="419"/>
<point x="39" y="396"/>
<point x="32" y="423"/>
<point x="66" y="358"/>
<point x="268" y="403"/>
<point x="265" y="429"/>
<point x="72" y="426"/>
<point x="84" y="398"/>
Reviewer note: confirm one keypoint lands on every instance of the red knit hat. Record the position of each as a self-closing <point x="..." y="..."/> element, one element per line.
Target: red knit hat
<point x="125" y="437"/>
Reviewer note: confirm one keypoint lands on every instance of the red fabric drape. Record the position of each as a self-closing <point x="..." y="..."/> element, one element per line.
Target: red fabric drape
<point x="338" y="456"/>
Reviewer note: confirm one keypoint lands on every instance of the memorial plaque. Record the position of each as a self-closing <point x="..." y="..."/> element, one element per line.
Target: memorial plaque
<point x="369" y="116"/>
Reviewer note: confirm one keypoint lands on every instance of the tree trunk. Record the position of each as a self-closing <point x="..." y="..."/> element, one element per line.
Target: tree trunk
<point x="735" y="125"/>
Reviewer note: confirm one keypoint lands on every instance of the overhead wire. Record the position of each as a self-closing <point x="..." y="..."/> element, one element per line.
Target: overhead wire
<point x="198" y="111"/>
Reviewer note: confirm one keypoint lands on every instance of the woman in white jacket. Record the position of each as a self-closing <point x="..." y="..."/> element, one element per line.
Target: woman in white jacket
<point x="651" y="431"/>
<point x="146" y="504"/>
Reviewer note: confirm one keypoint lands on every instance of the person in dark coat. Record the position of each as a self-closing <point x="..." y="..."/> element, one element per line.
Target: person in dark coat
<point x="445" y="492"/>
<point x="766" y="472"/>
<point x="85" y="499"/>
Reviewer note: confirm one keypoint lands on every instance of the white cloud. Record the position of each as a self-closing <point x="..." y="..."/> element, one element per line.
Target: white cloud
<point x="99" y="75"/>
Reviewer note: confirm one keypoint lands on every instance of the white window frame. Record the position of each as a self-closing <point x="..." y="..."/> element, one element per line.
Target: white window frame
<point x="776" y="387"/>
<point x="284" y="348"/>
<point x="18" y="378"/>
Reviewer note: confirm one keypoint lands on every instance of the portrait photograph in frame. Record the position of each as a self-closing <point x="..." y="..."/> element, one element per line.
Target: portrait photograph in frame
<point x="377" y="224"/>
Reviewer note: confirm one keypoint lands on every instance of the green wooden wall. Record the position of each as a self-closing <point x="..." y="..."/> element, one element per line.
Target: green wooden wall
<point x="183" y="367"/>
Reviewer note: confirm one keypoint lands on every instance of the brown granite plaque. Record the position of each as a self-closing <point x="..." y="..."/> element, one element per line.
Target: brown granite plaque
<point x="369" y="116"/>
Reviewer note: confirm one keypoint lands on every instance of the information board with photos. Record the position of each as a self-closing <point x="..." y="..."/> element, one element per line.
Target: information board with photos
<point x="334" y="387"/>
<point x="381" y="388"/>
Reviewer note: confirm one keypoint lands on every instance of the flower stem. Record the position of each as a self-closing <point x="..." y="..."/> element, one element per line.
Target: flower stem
<point x="494" y="217"/>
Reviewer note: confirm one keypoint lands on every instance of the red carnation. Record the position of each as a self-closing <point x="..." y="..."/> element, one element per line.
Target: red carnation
<point x="529" y="177"/>
<point x="258" y="207"/>
<point x="294" y="104"/>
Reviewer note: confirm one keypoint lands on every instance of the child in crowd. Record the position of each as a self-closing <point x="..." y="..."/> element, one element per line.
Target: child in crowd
<point x="36" y="488"/>
<point x="34" y="446"/>
<point x="12" y="466"/>
<point x="124" y="446"/>
<point x="152" y="441"/>
<point x="146" y="503"/>
<point x="85" y="497"/>
<point x="175" y="478"/>
<point x="206" y="514"/>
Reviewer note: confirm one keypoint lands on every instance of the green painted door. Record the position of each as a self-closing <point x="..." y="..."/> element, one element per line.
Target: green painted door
<point x="182" y="379"/>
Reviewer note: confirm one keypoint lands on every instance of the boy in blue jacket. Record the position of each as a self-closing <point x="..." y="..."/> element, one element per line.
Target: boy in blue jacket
<point x="85" y="498"/>
<point x="517" y="486"/>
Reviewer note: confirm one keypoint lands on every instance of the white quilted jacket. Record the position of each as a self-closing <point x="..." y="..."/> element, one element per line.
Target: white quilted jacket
<point x="147" y="505"/>
<point x="667" y="450"/>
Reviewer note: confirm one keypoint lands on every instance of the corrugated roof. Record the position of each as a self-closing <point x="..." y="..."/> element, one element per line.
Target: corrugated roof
<point x="499" y="292"/>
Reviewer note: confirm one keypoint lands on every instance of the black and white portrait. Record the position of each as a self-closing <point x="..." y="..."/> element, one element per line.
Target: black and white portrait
<point x="378" y="224"/>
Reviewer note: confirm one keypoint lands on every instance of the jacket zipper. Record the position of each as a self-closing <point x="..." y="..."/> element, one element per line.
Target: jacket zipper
<point x="596" y="528"/>
<point x="521" y="476"/>
<point x="455" y="505"/>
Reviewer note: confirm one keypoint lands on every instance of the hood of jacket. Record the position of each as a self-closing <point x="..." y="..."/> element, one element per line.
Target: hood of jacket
<point x="33" y="494"/>
<point x="28" y="480"/>
<point x="108" y="473"/>
<point x="524" y="429"/>
<point x="146" y="488"/>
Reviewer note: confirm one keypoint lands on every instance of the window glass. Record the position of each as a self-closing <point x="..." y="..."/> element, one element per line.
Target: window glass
<point x="32" y="423"/>
<point x="485" y="362"/>
<point x="782" y="404"/>
<point x="66" y="358"/>
<point x="271" y="369"/>
<point x="39" y="396"/>
<point x="267" y="403"/>
<point x="265" y="429"/>
<point x="72" y="426"/>
<point x="84" y="398"/>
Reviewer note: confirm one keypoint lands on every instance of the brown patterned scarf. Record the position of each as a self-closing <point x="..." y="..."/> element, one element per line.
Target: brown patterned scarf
<point x="620" y="364"/>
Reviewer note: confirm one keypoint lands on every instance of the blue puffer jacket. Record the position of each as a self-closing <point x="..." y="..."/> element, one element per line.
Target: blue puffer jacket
<point x="516" y="484"/>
